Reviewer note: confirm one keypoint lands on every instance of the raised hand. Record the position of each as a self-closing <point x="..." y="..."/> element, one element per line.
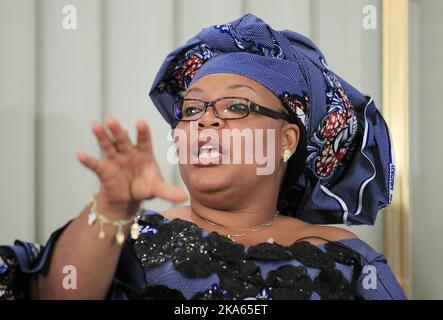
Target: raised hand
<point x="128" y="173"/>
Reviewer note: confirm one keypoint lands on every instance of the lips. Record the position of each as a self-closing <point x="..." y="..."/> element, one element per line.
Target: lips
<point x="207" y="153"/>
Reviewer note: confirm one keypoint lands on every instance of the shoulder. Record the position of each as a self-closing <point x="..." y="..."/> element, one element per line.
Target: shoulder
<point x="334" y="233"/>
<point x="318" y="234"/>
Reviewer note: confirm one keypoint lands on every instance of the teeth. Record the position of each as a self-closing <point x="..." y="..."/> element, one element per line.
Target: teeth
<point x="207" y="153"/>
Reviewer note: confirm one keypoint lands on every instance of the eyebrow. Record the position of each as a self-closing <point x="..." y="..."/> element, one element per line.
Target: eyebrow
<point x="237" y="86"/>
<point x="233" y="87"/>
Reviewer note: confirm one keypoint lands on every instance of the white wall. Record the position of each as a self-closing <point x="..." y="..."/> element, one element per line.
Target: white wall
<point x="426" y="148"/>
<point x="57" y="82"/>
<point x="17" y="120"/>
<point x="69" y="99"/>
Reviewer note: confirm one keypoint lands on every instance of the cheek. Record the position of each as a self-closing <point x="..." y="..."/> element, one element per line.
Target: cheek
<point x="181" y="140"/>
<point x="263" y="140"/>
<point x="267" y="139"/>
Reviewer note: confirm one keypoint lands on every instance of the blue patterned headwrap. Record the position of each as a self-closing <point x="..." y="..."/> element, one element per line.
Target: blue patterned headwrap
<point x="348" y="171"/>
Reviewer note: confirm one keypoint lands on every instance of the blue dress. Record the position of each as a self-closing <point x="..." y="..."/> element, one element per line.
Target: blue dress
<point x="178" y="260"/>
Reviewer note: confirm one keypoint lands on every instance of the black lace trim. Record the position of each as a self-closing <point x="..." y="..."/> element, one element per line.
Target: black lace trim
<point x="311" y="256"/>
<point x="198" y="256"/>
<point x="269" y="252"/>
<point x="161" y="292"/>
<point x="290" y="283"/>
<point x="331" y="285"/>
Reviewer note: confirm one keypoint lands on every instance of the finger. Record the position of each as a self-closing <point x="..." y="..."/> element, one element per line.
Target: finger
<point x="104" y="141"/>
<point x="170" y="192"/>
<point x="90" y="162"/>
<point x="122" y="141"/>
<point x="143" y="136"/>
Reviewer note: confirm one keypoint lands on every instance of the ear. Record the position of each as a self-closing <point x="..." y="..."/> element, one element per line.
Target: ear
<point x="290" y="137"/>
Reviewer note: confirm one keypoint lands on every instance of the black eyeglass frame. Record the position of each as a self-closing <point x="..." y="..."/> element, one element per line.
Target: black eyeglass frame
<point x="252" y="106"/>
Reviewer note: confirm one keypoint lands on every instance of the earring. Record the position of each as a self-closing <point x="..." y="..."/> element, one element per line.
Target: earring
<point x="286" y="155"/>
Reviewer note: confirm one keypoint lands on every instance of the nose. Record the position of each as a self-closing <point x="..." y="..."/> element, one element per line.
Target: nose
<point x="209" y="119"/>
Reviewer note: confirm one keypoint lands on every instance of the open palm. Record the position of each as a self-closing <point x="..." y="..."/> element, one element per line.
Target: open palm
<point x="128" y="172"/>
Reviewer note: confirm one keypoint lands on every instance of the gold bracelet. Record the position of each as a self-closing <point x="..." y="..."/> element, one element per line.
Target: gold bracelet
<point x="119" y="224"/>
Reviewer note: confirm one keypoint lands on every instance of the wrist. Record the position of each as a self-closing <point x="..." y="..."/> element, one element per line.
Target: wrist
<point x="120" y="223"/>
<point x="116" y="211"/>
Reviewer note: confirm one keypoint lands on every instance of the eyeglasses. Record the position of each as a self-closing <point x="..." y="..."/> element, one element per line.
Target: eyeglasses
<point x="226" y="108"/>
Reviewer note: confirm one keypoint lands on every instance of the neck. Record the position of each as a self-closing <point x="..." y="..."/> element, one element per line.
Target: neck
<point x="234" y="218"/>
<point x="243" y="210"/>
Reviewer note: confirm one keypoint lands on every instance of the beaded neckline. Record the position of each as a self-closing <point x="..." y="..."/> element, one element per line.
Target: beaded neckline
<point x="198" y="254"/>
<point x="246" y="249"/>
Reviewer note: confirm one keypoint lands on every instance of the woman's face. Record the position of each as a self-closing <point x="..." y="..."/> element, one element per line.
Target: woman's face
<point x="250" y="148"/>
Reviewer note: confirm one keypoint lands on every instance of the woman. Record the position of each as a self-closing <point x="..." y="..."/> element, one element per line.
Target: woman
<point x="247" y="234"/>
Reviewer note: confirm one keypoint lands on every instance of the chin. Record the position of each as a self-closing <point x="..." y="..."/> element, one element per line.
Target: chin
<point x="208" y="180"/>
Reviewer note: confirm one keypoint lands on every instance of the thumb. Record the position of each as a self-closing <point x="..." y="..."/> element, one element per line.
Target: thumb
<point x="170" y="192"/>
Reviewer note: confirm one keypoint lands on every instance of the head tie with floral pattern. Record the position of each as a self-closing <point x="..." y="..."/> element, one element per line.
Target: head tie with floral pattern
<point x="348" y="172"/>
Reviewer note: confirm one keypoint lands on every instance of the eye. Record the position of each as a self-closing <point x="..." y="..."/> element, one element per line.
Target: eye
<point x="190" y="111"/>
<point x="191" y="108"/>
<point x="237" y="107"/>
